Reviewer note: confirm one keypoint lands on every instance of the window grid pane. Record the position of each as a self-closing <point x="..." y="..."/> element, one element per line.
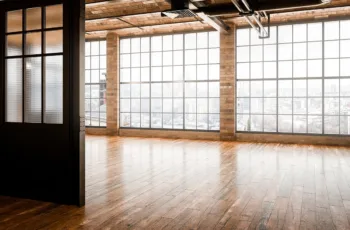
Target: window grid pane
<point x="95" y="84"/>
<point x="27" y="49"/>
<point x="176" y="85"/>
<point x="311" y="75"/>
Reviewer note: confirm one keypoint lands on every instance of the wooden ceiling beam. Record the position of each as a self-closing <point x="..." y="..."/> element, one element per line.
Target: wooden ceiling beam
<point x="144" y="26"/>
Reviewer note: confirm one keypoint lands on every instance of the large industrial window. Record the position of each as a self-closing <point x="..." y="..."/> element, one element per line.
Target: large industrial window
<point x="297" y="81"/>
<point x="95" y="83"/>
<point x="34" y="65"/>
<point x="170" y="82"/>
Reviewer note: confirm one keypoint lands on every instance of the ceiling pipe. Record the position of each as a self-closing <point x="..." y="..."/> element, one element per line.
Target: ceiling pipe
<point x="272" y="5"/>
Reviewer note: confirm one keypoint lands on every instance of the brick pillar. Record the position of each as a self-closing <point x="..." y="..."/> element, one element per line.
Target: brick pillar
<point x="227" y="85"/>
<point x="112" y="84"/>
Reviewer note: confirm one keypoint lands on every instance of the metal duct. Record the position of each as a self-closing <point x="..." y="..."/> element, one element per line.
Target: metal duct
<point x="261" y="5"/>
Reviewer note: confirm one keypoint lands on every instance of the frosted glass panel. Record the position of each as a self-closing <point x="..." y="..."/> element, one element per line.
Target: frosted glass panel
<point x="33" y="19"/>
<point x="14" y="99"/>
<point x="33" y="43"/>
<point x="32" y="112"/>
<point x="14" y="21"/>
<point x="54" y="90"/>
<point x="14" y="45"/>
<point x="54" y="41"/>
<point x="54" y="16"/>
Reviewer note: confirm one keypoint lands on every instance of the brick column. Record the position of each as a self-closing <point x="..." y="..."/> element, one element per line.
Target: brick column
<point x="227" y="85"/>
<point x="112" y="84"/>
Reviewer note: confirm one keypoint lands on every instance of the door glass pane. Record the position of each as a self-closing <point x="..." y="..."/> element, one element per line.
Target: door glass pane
<point x="14" y="82"/>
<point x="14" y="45"/>
<point x="54" y="41"/>
<point x="54" y="90"/>
<point x="32" y="90"/>
<point x="54" y="16"/>
<point x="33" y="19"/>
<point x="33" y="43"/>
<point x="14" y="21"/>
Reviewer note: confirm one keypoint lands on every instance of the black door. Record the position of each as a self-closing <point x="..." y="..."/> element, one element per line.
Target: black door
<point x="42" y="133"/>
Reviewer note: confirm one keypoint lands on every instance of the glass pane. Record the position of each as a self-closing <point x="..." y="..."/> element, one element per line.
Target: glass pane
<point x="178" y="121"/>
<point x="331" y="87"/>
<point x="315" y="124"/>
<point x="270" y="123"/>
<point x="214" y="72"/>
<point x="190" y="57"/>
<point x="54" y="16"/>
<point x="243" y="54"/>
<point x="156" y="43"/>
<point x="202" y="121"/>
<point x="285" y="34"/>
<point x="145" y="43"/>
<point x="243" y="70"/>
<point x="202" y="105"/>
<point x="125" y="119"/>
<point x="299" y="51"/>
<point x="167" y="121"/>
<point x="214" y="39"/>
<point x="299" y="124"/>
<point x="285" y="105"/>
<point x="315" y="106"/>
<point x="190" y="41"/>
<point x="243" y="37"/>
<point x="315" y="68"/>
<point x="190" y="121"/>
<point x="270" y="105"/>
<point x="156" y="105"/>
<point x="14" y="81"/>
<point x="135" y="45"/>
<point x="299" y="106"/>
<point x="315" y="32"/>
<point x="243" y="122"/>
<point x="256" y="105"/>
<point x="54" y="41"/>
<point x="190" y="105"/>
<point x="125" y="105"/>
<point x="345" y="125"/>
<point x="156" y="120"/>
<point x="299" y="32"/>
<point x="344" y="87"/>
<point x="14" y="21"/>
<point x="33" y="43"/>
<point x="331" y="125"/>
<point x="285" y="69"/>
<point x="33" y="19"/>
<point x="314" y="50"/>
<point x="285" y="52"/>
<point x="285" y="123"/>
<point x="125" y="46"/>
<point x="214" y="105"/>
<point x="178" y="58"/>
<point x="32" y="90"/>
<point x="243" y="105"/>
<point x="168" y="42"/>
<point x="14" y="45"/>
<point x="331" y="49"/>
<point x="331" y="106"/>
<point x="103" y="47"/>
<point x="202" y="56"/>
<point x="145" y="105"/>
<point x="54" y="90"/>
<point x="331" y="30"/>
<point x="125" y="91"/>
<point x="256" y="124"/>
<point x="202" y="40"/>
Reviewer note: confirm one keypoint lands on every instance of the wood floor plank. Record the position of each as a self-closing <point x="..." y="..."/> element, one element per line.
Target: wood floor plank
<point x="140" y="183"/>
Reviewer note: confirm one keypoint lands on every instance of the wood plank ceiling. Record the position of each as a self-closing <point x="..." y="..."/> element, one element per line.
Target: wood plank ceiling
<point x="135" y="17"/>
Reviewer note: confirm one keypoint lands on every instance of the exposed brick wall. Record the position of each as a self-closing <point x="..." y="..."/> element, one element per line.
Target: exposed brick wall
<point x="293" y="139"/>
<point x="112" y="83"/>
<point x="175" y="134"/>
<point x="227" y="85"/>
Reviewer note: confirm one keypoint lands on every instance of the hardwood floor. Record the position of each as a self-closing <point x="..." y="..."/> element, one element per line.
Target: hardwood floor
<point x="135" y="183"/>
